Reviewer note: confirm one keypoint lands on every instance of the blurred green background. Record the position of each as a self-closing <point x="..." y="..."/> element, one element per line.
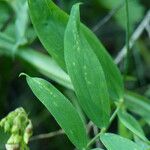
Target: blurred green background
<point x="16" y="28"/>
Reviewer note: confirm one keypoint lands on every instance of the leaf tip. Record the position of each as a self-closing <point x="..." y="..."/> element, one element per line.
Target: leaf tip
<point x="23" y="74"/>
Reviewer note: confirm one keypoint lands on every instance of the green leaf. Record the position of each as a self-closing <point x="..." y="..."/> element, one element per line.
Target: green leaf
<point x="131" y="123"/>
<point x="123" y="131"/>
<point x="97" y="149"/>
<point x="20" y="8"/>
<point x="41" y="62"/>
<point x="62" y="110"/>
<point x="45" y="22"/>
<point x="138" y="104"/>
<point x="45" y="65"/>
<point x="116" y="142"/>
<point x="50" y="21"/>
<point x="86" y="72"/>
<point x="142" y="144"/>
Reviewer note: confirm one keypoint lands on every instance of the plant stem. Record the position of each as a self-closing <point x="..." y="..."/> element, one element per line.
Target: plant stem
<point x="127" y="40"/>
<point x="47" y="135"/>
<point x="137" y="33"/>
<point x="103" y="130"/>
<point x="116" y="111"/>
<point x="107" y="17"/>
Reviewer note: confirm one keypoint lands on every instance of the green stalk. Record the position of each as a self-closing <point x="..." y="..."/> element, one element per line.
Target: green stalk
<point x="126" y="64"/>
<point x="103" y="130"/>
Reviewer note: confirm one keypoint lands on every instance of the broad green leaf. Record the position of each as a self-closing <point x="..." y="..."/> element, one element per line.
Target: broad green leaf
<point x="72" y="96"/>
<point x="138" y="104"/>
<point x="86" y="72"/>
<point x="112" y="73"/>
<point x="62" y="110"/>
<point x="131" y="123"/>
<point x="141" y="143"/>
<point x="50" y="21"/>
<point x="49" y="28"/>
<point x="116" y="142"/>
<point x="123" y="131"/>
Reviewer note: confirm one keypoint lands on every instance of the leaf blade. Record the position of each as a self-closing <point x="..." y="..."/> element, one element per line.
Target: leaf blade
<point x="116" y="142"/>
<point x="54" y="101"/>
<point x="42" y="62"/>
<point x="48" y="26"/>
<point x="50" y="21"/>
<point x="131" y="123"/>
<point x="86" y="72"/>
<point x="138" y="104"/>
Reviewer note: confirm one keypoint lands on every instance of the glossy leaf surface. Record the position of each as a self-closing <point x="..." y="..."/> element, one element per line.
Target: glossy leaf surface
<point x="131" y="123"/>
<point x="61" y="109"/>
<point x="86" y="72"/>
<point x="41" y="62"/>
<point x="50" y="23"/>
<point x="116" y="142"/>
<point x="138" y="104"/>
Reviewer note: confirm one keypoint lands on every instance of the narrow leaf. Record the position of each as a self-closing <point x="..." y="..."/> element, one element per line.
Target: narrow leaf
<point x="97" y="149"/>
<point x="45" y="65"/>
<point x="86" y="72"/>
<point x="20" y="8"/>
<point x="116" y="142"/>
<point x="44" y="18"/>
<point x="138" y="104"/>
<point x="41" y="62"/>
<point x="62" y="110"/>
<point x="50" y="21"/>
<point x="141" y="143"/>
<point x="131" y="123"/>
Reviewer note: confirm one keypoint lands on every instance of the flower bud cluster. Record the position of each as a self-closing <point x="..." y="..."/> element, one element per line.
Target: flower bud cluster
<point x="20" y="128"/>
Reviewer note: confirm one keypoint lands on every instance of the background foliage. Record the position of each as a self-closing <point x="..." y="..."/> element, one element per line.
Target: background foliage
<point x="22" y="51"/>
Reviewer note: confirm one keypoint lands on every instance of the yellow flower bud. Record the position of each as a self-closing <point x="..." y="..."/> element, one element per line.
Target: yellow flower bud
<point x="7" y="127"/>
<point x="15" y="129"/>
<point x="12" y="147"/>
